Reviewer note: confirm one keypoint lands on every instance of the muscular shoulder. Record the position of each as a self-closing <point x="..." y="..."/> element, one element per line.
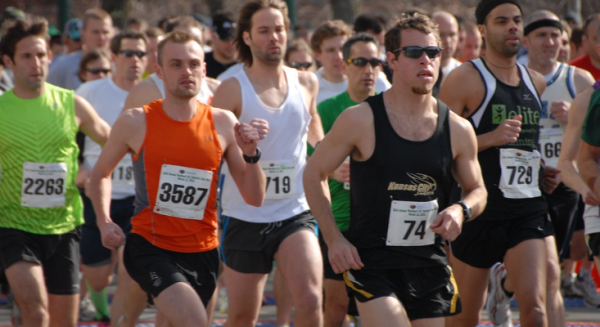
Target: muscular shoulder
<point x="212" y="83"/>
<point x="308" y="80"/>
<point x="538" y="80"/>
<point x="133" y="118"/>
<point x="228" y="96"/>
<point x="357" y="117"/>
<point x="583" y="79"/>
<point x="463" y="88"/>
<point x="224" y="117"/>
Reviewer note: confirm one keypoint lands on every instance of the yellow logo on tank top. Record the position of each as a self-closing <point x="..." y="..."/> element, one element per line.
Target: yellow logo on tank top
<point x="422" y="184"/>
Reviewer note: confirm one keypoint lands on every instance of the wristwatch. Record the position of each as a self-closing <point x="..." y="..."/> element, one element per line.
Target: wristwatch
<point x="252" y="160"/>
<point x="467" y="212"/>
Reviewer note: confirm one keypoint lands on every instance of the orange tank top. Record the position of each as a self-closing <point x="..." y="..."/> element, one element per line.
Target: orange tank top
<point x="176" y="173"/>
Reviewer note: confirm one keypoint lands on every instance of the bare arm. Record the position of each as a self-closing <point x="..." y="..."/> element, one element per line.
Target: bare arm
<point x="229" y="97"/>
<point x="141" y="94"/>
<point x="89" y="122"/>
<point x="467" y="172"/>
<point x="335" y="147"/>
<point x="243" y="139"/>
<point x="587" y="160"/>
<point x="126" y="128"/>
<point x="315" y="128"/>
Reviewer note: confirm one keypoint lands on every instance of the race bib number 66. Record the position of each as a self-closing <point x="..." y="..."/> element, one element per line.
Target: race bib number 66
<point x="183" y="192"/>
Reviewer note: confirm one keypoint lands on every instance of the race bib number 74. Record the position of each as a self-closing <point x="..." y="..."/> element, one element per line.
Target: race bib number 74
<point x="183" y="192"/>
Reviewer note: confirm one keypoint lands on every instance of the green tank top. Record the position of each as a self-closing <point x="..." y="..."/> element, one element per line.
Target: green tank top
<point x="589" y="131"/>
<point x="38" y="163"/>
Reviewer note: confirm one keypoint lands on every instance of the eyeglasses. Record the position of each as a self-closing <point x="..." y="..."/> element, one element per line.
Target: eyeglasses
<point x="131" y="53"/>
<point x="415" y="52"/>
<point x="97" y="71"/>
<point x="298" y="65"/>
<point x="362" y="62"/>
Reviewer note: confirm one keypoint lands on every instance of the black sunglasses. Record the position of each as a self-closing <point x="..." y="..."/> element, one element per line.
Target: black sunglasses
<point x="97" y="71"/>
<point x="131" y="53"/>
<point x="415" y="52"/>
<point x="298" y="65"/>
<point x="362" y="62"/>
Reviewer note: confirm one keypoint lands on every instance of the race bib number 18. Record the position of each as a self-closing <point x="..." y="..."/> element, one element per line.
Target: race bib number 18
<point x="183" y="192"/>
<point x="122" y="176"/>
<point x="44" y="185"/>
<point x="409" y="223"/>
<point x="520" y="171"/>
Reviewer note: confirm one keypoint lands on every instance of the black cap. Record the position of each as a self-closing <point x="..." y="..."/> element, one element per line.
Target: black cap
<point x="486" y="6"/>
<point x="223" y="26"/>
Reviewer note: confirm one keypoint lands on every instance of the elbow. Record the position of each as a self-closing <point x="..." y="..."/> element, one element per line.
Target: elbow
<point x="255" y="200"/>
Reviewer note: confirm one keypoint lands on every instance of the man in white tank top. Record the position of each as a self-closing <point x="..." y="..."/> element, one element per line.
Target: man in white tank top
<point x="283" y="228"/>
<point x="152" y="88"/>
<point x="542" y="38"/>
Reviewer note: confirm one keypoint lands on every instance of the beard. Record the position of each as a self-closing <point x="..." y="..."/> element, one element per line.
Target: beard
<point x="500" y="46"/>
<point x="422" y="90"/>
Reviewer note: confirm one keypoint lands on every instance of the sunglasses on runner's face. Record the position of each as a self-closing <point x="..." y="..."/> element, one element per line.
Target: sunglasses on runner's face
<point x="131" y="53"/>
<point x="298" y="65"/>
<point x="415" y="52"/>
<point x="362" y="62"/>
<point x="97" y="71"/>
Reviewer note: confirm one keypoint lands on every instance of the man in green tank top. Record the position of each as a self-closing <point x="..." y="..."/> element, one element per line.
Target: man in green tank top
<point x="40" y="207"/>
<point x="362" y="66"/>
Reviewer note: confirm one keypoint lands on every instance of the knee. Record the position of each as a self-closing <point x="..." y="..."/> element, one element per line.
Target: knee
<point x="553" y="277"/>
<point x="310" y="301"/>
<point x="240" y="319"/>
<point x="463" y="320"/>
<point x="35" y="315"/>
<point x="99" y="283"/>
<point x="536" y="316"/>
<point x="336" y="309"/>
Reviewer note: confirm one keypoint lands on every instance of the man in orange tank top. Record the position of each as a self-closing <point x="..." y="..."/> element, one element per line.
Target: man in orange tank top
<point x="177" y="145"/>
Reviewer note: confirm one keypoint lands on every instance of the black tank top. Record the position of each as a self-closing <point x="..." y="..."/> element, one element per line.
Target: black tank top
<point x="400" y="170"/>
<point x="503" y="101"/>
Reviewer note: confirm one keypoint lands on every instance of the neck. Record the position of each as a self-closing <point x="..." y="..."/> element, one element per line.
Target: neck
<point x="541" y="68"/>
<point x="221" y="59"/>
<point x="180" y="109"/>
<point x="269" y="73"/>
<point x="595" y="60"/>
<point x="125" y="83"/>
<point x="359" y="96"/>
<point x="333" y="76"/>
<point x="405" y="101"/>
<point x="504" y="68"/>
<point x="445" y="62"/>
<point x="27" y="93"/>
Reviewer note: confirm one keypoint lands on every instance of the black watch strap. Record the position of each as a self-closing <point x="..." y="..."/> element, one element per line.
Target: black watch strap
<point x="467" y="212"/>
<point x="253" y="160"/>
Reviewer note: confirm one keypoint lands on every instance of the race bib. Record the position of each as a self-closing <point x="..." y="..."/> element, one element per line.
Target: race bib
<point x="281" y="179"/>
<point x="122" y="176"/>
<point x="591" y="219"/>
<point x="409" y="223"/>
<point x="183" y="192"/>
<point x="550" y="143"/>
<point x="44" y="185"/>
<point x="520" y="171"/>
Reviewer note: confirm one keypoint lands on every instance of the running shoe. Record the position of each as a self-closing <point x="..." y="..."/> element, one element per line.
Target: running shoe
<point x="498" y="304"/>
<point x="87" y="311"/>
<point x="567" y="287"/>
<point x="586" y="288"/>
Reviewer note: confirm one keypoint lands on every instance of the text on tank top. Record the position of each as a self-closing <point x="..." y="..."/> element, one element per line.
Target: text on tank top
<point x="511" y="172"/>
<point x="395" y="200"/>
<point x="176" y="178"/>
<point x="283" y="154"/>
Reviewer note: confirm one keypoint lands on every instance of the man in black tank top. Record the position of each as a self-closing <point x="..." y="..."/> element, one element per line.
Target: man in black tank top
<point x="405" y="147"/>
<point x="514" y="228"/>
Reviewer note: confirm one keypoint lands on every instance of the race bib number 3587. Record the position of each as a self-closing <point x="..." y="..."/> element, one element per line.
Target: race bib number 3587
<point x="183" y="192"/>
<point x="44" y="185"/>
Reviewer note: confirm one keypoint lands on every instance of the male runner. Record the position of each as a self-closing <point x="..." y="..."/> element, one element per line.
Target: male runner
<point x="171" y="251"/>
<point x="361" y="66"/>
<point x="500" y="98"/>
<point x="472" y="45"/>
<point x="448" y="26"/>
<point x="107" y="96"/>
<point x="283" y="228"/>
<point x="96" y="33"/>
<point x="394" y="262"/>
<point x="40" y="207"/>
<point x="591" y="60"/>
<point x="222" y="55"/>
<point x="542" y="38"/>
<point x="152" y="88"/>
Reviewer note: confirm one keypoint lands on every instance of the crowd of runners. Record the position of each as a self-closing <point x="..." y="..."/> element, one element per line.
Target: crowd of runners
<point x="428" y="169"/>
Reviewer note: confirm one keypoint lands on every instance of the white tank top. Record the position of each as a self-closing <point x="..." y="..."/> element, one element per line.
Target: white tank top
<point x="283" y="155"/>
<point x="559" y="87"/>
<point x="205" y="95"/>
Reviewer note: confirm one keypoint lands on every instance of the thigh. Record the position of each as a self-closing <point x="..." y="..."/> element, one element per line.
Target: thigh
<point x="61" y="269"/>
<point x="526" y="268"/>
<point x="383" y="312"/>
<point x="300" y="261"/>
<point x="26" y="280"/>
<point x="180" y="306"/>
<point x="63" y="310"/>
<point x="472" y="284"/>
<point x="244" y="292"/>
